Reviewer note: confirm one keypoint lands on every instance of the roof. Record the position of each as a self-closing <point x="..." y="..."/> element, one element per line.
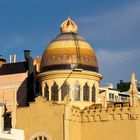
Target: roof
<point x="3" y="60"/>
<point x="13" y="68"/>
<point x="69" y="50"/>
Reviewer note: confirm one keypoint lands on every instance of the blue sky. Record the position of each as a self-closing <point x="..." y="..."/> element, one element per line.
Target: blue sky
<point x="111" y="27"/>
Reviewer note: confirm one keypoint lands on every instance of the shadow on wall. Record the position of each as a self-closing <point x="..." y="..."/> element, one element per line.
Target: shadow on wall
<point x="22" y="94"/>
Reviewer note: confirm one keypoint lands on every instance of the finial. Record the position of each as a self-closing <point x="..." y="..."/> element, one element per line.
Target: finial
<point x="133" y="92"/>
<point x="68" y="26"/>
<point x="133" y="80"/>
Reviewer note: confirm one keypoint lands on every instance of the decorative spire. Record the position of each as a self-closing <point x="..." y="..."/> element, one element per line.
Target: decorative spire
<point x="133" y="92"/>
<point x="68" y="26"/>
<point x="133" y="80"/>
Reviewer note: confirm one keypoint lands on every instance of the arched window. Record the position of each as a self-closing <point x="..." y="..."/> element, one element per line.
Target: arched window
<point x="86" y="92"/>
<point x="64" y="90"/>
<point x="54" y="90"/>
<point x="76" y="92"/>
<point x="46" y="91"/>
<point x="40" y="136"/>
<point x="93" y="94"/>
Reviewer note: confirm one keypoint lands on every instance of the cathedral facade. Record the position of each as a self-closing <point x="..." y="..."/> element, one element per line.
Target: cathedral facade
<point x="63" y="100"/>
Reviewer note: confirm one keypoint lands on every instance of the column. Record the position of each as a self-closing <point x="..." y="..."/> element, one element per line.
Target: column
<point x="59" y="93"/>
<point x="81" y="92"/>
<point x="104" y="99"/>
<point x="49" y="91"/>
<point x="96" y="92"/>
<point x="90" y="93"/>
<point x="43" y="89"/>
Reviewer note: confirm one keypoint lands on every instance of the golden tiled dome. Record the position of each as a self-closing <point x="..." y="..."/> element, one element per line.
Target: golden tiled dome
<point x="69" y="50"/>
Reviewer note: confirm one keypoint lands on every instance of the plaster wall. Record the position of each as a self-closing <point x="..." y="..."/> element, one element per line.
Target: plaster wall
<point x="111" y="130"/>
<point x="41" y="117"/>
<point x="9" y="86"/>
<point x="74" y="131"/>
<point x="97" y="123"/>
<point x="72" y="78"/>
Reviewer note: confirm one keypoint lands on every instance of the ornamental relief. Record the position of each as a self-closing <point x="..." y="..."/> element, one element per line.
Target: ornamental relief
<point x="65" y="59"/>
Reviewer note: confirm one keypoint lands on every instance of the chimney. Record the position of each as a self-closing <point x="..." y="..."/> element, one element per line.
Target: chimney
<point x="31" y="76"/>
<point x="27" y="54"/>
<point x="12" y="58"/>
<point x="29" y="61"/>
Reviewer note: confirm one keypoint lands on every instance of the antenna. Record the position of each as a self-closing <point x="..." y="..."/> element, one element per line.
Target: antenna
<point x="78" y="55"/>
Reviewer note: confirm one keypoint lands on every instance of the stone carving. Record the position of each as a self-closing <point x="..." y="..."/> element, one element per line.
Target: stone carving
<point x="68" y="26"/>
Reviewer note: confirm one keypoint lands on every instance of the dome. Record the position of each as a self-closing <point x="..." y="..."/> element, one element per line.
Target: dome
<point x="68" y="51"/>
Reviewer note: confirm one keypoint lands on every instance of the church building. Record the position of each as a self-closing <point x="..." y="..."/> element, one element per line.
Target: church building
<point x="59" y="97"/>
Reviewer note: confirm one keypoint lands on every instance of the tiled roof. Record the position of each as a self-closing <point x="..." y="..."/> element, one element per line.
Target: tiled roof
<point x="13" y="68"/>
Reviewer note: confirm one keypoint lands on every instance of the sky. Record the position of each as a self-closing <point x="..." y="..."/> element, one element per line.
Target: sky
<point x="111" y="27"/>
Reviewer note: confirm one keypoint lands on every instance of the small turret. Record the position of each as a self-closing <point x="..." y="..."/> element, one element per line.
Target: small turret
<point x="133" y="92"/>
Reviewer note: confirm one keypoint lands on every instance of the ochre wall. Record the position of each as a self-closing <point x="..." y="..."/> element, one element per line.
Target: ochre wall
<point x="74" y="131"/>
<point x="112" y="123"/>
<point x="79" y="77"/>
<point x="68" y="122"/>
<point x="41" y="117"/>
<point x="110" y="130"/>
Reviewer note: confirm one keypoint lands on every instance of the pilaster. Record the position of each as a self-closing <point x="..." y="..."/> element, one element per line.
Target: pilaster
<point x="43" y="89"/>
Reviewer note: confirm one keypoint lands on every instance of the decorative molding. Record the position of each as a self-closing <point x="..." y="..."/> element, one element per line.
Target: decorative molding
<point x="96" y="113"/>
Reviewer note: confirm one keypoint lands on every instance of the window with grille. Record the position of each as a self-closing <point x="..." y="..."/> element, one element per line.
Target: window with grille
<point x="111" y="97"/>
<point x="54" y="90"/>
<point x="86" y="92"/>
<point x="93" y="94"/>
<point x="76" y="92"/>
<point x="46" y="91"/>
<point x="64" y="90"/>
<point x="40" y="138"/>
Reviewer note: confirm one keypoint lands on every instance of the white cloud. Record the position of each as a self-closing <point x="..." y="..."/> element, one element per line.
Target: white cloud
<point x="116" y="58"/>
<point x="14" y="41"/>
<point x="116" y="24"/>
<point x="18" y="39"/>
<point x="115" y="35"/>
<point x="117" y="66"/>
